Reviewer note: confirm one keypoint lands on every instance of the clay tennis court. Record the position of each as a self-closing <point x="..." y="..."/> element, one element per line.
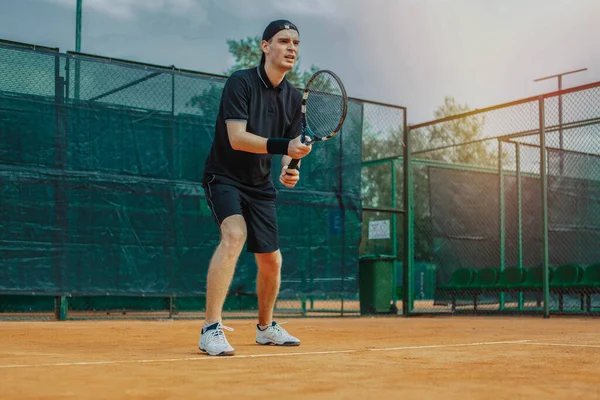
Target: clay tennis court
<point x="442" y="357"/>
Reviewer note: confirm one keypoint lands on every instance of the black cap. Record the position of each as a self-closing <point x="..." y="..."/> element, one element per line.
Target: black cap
<point x="276" y="26"/>
<point x="272" y="29"/>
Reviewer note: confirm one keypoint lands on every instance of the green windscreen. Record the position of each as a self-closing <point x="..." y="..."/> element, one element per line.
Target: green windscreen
<point x="100" y="170"/>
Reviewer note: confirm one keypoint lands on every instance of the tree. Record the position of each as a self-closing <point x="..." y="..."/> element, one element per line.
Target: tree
<point x="247" y="53"/>
<point x="208" y="102"/>
<point x="451" y="134"/>
<point x="376" y="182"/>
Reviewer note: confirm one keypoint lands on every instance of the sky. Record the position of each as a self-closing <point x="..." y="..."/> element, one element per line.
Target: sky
<point x="411" y="53"/>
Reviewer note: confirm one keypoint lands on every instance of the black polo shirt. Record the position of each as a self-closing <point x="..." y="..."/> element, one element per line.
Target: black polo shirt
<point x="270" y="112"/>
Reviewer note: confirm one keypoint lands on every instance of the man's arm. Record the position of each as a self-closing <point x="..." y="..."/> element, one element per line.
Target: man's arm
<point x="245" y="141"/>
<point x="242" y="140"/>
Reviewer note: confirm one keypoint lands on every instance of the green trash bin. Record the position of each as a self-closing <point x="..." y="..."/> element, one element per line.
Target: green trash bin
<point x="375" y="283"/>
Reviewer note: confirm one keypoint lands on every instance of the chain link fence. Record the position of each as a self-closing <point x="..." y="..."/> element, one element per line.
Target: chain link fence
<point x="383" y="208"/>
<point x="103" y="212"/>
<point x="508" y="227"/>
<point x="100" y="164"/>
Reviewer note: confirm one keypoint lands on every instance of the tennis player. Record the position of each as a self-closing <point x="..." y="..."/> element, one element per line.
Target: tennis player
<point x="259" y="116"/>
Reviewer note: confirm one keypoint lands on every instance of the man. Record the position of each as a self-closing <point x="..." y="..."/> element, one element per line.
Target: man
<point x="259" y="116"/>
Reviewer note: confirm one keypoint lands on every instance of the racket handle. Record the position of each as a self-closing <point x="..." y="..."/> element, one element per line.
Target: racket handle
<point x="293" y="164"/>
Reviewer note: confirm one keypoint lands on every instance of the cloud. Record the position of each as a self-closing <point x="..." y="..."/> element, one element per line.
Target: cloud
<point x="307" y="7"/>
<point x="269" y="9"/>
<point x="192" y="10"/>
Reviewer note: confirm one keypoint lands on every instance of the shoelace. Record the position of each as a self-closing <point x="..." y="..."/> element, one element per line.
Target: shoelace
<point x="280" y="330"/>
<point x="218" y="333"/>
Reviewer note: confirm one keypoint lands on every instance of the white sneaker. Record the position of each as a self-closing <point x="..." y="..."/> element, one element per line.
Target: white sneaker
<point x="213" y="341"/>
<point x="276" y="335"/>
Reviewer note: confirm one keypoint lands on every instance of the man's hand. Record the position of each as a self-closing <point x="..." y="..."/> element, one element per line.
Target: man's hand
<point x="289" y="178"/>
<point x="297" y="149"/>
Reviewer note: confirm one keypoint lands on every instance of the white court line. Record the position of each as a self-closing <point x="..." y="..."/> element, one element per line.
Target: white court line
<point x="208" y="358"/>
<point x="450" y="345"/>
<point x="202" y="358"/>
<point x="564" y="345"/>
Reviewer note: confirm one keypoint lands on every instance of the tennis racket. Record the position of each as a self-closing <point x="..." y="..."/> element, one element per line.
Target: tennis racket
<point x="324" y="108"/>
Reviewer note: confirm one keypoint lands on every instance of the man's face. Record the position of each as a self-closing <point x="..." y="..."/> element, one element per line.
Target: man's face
<point x="282" y="50"/>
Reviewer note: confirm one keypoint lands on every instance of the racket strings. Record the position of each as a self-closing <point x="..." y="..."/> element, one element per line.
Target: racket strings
<point x="325" y="106"/>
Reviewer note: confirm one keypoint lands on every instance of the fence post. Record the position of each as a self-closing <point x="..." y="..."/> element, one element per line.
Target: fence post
<point x="544" y="187"/>
<point x="171" y="306"/>
<point x="61" y="208"/>
<point x="519" y="216"/>
<point x="61" y="306"/>
<point x="394" y="232"/>
<point x="502" y="217"/>
<point x="409" y="232"/>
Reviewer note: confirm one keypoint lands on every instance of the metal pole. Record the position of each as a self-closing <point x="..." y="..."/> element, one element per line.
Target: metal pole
<point x="409" y="231"/>
<point x="560" y="122"/>
<point x="544" y="184"/>
<point x="519" y="216"/>
<point x="60" y="238"/>
<point x="394" y="232"/>
<point x="502" y="216"/>
<point x="78" y="27"/>
<point x="78" y="48"/>
<point x="343" y="210"/>
<point x="175" y="148"/>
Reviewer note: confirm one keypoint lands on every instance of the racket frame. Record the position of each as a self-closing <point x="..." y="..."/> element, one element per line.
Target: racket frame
<point x="305" y="128"/>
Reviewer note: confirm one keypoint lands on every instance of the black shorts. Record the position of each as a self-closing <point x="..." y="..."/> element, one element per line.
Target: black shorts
<point x="226" y="197"/>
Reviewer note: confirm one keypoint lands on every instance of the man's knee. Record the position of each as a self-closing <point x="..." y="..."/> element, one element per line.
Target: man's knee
<point x="233" y="232"/>
<point x="269" y="263"/>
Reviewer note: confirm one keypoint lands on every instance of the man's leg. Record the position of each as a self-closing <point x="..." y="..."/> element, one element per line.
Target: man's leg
<point x="222" y="266"/>
<point x="267" y="284"/>
<point x="267" y="288"/>
<point x="263" y="241"/>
